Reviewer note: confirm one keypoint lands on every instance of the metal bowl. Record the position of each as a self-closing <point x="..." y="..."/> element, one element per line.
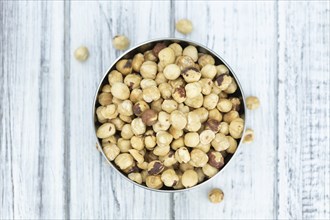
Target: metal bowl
<point x="147" y="46"/>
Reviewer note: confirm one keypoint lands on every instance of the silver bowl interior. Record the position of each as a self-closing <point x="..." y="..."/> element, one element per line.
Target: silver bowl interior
<point x="141" y="48"/>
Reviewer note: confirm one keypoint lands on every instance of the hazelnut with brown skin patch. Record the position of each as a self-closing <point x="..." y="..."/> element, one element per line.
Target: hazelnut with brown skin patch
<point x="179" y="94"/>
<point x="252" y="102"/>
<point x="155" y="167"/>
<point x="216" y="159"/>
<point x="157" y="48"/>
<point x="140" y="107"/>
<point x="169" y="178"/>
<point x="154" y="182"/>
<point x="223" y="81"/>
<point x="124" y="66"/>
<point x="249" y="136"/>
<point x="236" y="103"/>
<point x="184" y="62"/>
<point x="213" y="125"/>
<point x="191" y="74"/>
<point x="149" y="117"/>
<point x="216" y="195"/>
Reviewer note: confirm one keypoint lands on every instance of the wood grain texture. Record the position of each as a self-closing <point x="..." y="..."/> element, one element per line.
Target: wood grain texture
<point x="49" y="167"/>
<point x="303" y="154"/>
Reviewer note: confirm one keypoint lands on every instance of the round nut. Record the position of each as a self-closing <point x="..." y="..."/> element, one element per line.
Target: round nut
<point x="124" y="145"/>
<point x="106" y="88"/>
<point x="216" y="195"/>
<point x="209" y="71"/>
<point x="125" y="108"/>
<point x="224" y="128"/>
<point x="206" y="85"/>
<point x="195" y="102"/>
<point x="163" y="138"/>
<point x="176" y="133"/>
<point x="186" y="166"/>
<point x="202" y="114"/>
<point x="191" y="139"/>
<point x="169" y="159"/>
<point x="136" y="155"/>
<point x="252" y="102"/>
<point x="109" y="111"/>
<point x="166" y="56"/>
<point x="178" y="120"/>
<point x="157" y="48"/>
<point x="222" y="69"/>
<point x="111" y="139"/>
<point x="111" y="151"/>
<point x="206" y="137"/>
<point x="165" y="90"/>
<point x="150" y="56"/>
<point x="172" y="71"/>
<point x="184" y="62"/>
<point x="115" y="76"/>
<point x="193" y="89"/>
<point x="137" y="61"/>
<point x="233" y="145"/>
<point x="148" y="70"/>
<point x="136" y="177"/>
<point x="160" y="78"/>
<point x="137" y="142"/>
<point x="161" y="150"/>
<point x="216" y="159"/>
<point x="236" y="128"/>
<point x="176" y="144"/>
<point x="138" y="127"/>
<point x="169" y="106"/>
<point x="189" y="178"/>
<point x="176" y="48"/>
<point x="149" y="117"/>
<point x="126" y="132"/>
<point x="132" y="81"/>
<point x="184" y="26"/>
<point x="209" y="170"/>
<point x="220" y="142"/>
<point x="169" y="178"/>
<point x="231" y="88"/>
<point x="182" y="155"/>
<point x="213" y="125"/>
<point x="249" y="136"/>
<point x="204" y="147"/>
<point x="150" y="142"/>
<point x="193" y="121"/>
<point x="236" y="103"/>
<point x="120" y="91"/>
<point x="210" y="101"/>
<point x="223" y="81"/>
<point x="140" y="107"/>
<point x="224" y="105"/>
<point x="179" y="184"/>
<point x="124" y="66"/>
<point x="215" y="114"/>
<point x="179" y="94"/>
<point x="150" y="94"/>
<point x="81" y="53"/>
<point x="136" y="95"/>
<point x="192" y="52"/>
<point x="205" y="59"/>
<point x="155" y="167"/>
<point x="191" y="74"/>
<point x="105" y="98"/>
<point x="124" y="161"/>
<point x="120" y="42"/>
<point x="106" y="130"/>
<point x="230" y="116"/>
<point x="154" y="182"/>
<point x="145" y="83"/>
<point x="198" y="158"/>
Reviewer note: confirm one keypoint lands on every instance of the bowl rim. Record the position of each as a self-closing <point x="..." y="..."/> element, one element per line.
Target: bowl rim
<point x="174" y="40"/>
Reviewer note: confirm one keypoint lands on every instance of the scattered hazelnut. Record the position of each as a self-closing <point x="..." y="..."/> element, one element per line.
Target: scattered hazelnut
<point x="189" y="178"/>
<point x="184" y="26"/>
<point x="120" y="42"/>
<point x="249" y="136"/>
<point x="149" y="117"/>
<point x="216" y="195"/>
<point x="81" y="53"/>
<point x="252" y="102"/>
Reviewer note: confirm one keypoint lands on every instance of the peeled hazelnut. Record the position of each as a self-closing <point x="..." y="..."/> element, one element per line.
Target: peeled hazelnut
<point x="192" y="52"/>
<point x="216" y="195"/>
<point x="169" y="106"/>
<point x="111" y="139"/>
<point x="119" y="124"/>
<point x="157" y="48"/>
<point x="236" y="128"/>
<point x="206" y="85"/>
<point x="124" y="160"/>
<point x="184" y="62"/>
<point x="200" y="174"/>
<point x="182" y="155"/>
<point x="106" y="130"/>
<point x="183" y="108"/>
<point x="178" y="120"/>
<point x="224" y="105"/>
<point x="105" y="98"/>
<point x="136" y="155"/>
<point x="220" y="142"/>
<point x="106" y="88"/>
<point x="179" y="184"/>
<point x="147" y="83"/>
<point x="252" y="102"/>
<point x="115" y="76"/>
<point x="164" y="119"/>
<point x="249" y="136"/>
<point x="131" y="169"/>
<point x="150" y="141"/>
<point x="150" y="94"/>
<point x="176" y="48"/>
<point x="155" y="167"/>
<point x="230" y="116"/>
<point x="137" y="142"/>
<point x="209" y="170"/>
<point x="166" y="56"/>
<point x="202" y="114"/>
<point x="205" y="59"/>
<point x="150" y="56"/>
<point x="236" y="103"/>
<point x="140" y="107"/>
<point x="120" y="42"/>
<point x="186" y="166"/>
<point x="124" y="119"/>
<point x="150" y="156"/>
<point x="161" y="150"/>
<point x="137" y="61"/>
<point x="124" y="66"/>
<point x="125" y="108"/>
<point x="176" y="144"/>
<point x="193" y="89"/>
<point x="100" y="117"/>
<point x="210" y="101"/>
<point x="148" y="70"/>
<point x="224" y="128"/>
<point x="206" y="136"/>
<point x="216" y="159"/>
<point x="108" y="111"/>
<point x="179" y="94"/>
<point x="204" y="147"/>
<point x="212" y="125"/>
<point x="169" y="178"/>
<point x="157" y="105"/>
<point x="132" y="81"/>
<point x="198" y="158"/>
<point x="136" y="95"/>
<point x="138" y="127"/>
<point x="81" y="53"/>
<point x="191" y="74"/>
<point x="231" y="88"/>
<point x="124" y="145"/>
<point x="172" y="71"/>
<point x="111" y="151"/>
<point x="136" y="177"/>
<point x="143" y="165"/>
<point x="209" y="71"/>
<point x="195" y="102"/>
<point x="169" y="159"/>
<point x="215" y="114"/>
<point x="233" y="145"/>
<point x="149" y="117"/>
<point x="189" y="178"/>
<point x="163" y="138"/>
<point x="222" y="69"/>
<point x="184" y="26"/>
<point x="154" y="182"/>
<point x="193" y="121"/>
<point x="165" y="90"/>
<point x="120" y="91"/>
<point x="223" y="81"/>
<point x="191" y="139"/>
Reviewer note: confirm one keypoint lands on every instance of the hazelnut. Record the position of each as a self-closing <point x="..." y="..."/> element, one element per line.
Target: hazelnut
<point x="185" y="62"/>
<point x="223" y="95"/>
<point x="108" y="111"/>
<point x="165" y="90"/>
<point x="193" y="89"/>
<point x="216" y="159"/>
<point x="209" y="170"/>
<point x="111" y="151"/>
<point x="124" y="66"/>
<point x="189" y="178"/>
<point x="115" y="76"/>
<point x="164" y="119"/>
<point x="222" y="69"/>
<point x="166" y="56"/>
<point x="120" y="91"/>
<point x="161" y="150"/>
<point x="163" y="138"/>
<point x="106" y="130"/>
<point x="182" y="155"/>
<point x="177" y="143"/>
<point x="193" y="121"/>
<point x="232" y="145"/>
<point x="178" y="120"/>
<point x="124" y="161"/>
<point x="224" y="128"/>
<point x="200" y="174"/>
<point x="136" y="155"/>
<point x="223" y="81"/>
<point x="220" y="142"/>
<point x="145" y="83"/>
<point x="136" y="177"/>
<point x="191" y="74"/>
<point x="157" y="48"/>
<point x="252" y="102"/>
<point x="205" y="59"/>
<point x="149" y="117"/>
<point x="155" y="167"/>
<point x="169" y="106"/>
<point x="137" y="142"/>
<point x="150" y="156"/>
<point x="143" y="165"/>
<point x="206" y="136"/>
<point x="169" y="178"/>
<point x="150" y="141"/>
<point x="148" y="70"/>
<point x="140" y="107"/>
<point x="105" y="98"/>
<point x="176" y="48"/>
<point x="137" y="61"/>
<point x="118" y="123"/>
<point x="230" y="116"/>
<point x="157" y="105"/>
<point x="111" y="139"/>
<point x="218" y="91"/>
<point x="150" y="94"/>
<point x="154" y="182"/>
<point x="136" y="95"/>
<point x="81" y="53"/>
<point x="192" y="52"/>
<point x="169" y="159"/>
<point x="184" y="26"/>
<point x="186" y="166"/>
<point x="183" y="108"/>
<point x="210" y="101"/>
<point x="195" y="102"/>
<point x="132" y="81"/>
<point x="212" y="125"/>
<point x="209" y="71"/>
<point x="124" y="145"/>
<point x="249" y="136"/>
<point x="231" y="88"/>
<point x="236" y="128"/>
<point x="224" y="105"/>
<point x="179" y="94"/>
<point x="150" y="56"/>
<point x="216" y="195"/>
<point x="100" y="117"/>
<point x="144" y="175"/>
<point x="172" y="71"/>
<point x="125" y="119"/>
<point x="236" y="103"/>
<point x="106" y="88"/>
<point x="206" y="85"/>
<point x="191" y="139"/>
<point x="198" y="158"/>
<point x="202" y="114"/>
<point x="125" y="108"/>
<point x="204" y="147"/>
<point x="179" y="184"/>
<point x="120" y="42"/>
<point x="215" y="114"/>
<point x="138" y="127"/>
<point x="160" y="78"/>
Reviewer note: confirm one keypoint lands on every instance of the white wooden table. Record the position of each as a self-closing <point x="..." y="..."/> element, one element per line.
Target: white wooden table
<point x="49" y="167"/>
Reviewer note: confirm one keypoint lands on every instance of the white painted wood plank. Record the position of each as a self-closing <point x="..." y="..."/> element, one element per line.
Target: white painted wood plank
<point x="304" y="157"/>
<point x="31" y="98"/>
<point x="97" y="191"/>
<point x="244" y="34"/>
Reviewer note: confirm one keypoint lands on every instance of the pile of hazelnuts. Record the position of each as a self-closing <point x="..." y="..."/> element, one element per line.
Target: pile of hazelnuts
<point x="170" y="116"/>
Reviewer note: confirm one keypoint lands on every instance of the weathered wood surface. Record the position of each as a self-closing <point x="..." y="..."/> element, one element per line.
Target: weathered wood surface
<point x="49" y="166"/>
